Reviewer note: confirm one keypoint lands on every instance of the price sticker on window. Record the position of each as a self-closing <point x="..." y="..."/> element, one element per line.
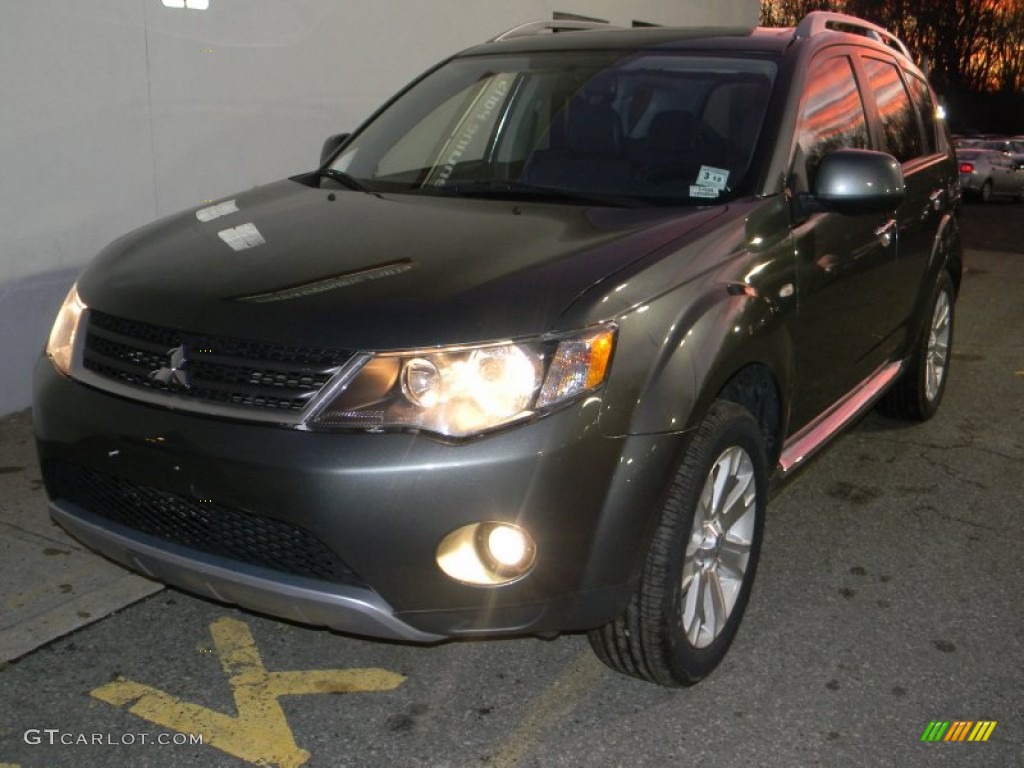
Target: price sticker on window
<point x="713" y="178"/>
<point x="705" y="193"/>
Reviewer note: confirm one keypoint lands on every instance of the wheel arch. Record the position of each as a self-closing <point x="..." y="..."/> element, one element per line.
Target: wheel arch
<point x="755" y="387"/>
<point x="751" y="368"/>
<point x="733" y="343"/>
<point x="948" y="251"/>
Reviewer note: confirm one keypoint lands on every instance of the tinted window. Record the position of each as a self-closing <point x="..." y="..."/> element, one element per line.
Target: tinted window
<point x="645" y="128"/>
<point x="831" y="116"/>
<point x="899" y="123"/>
<point x="926" y="109"/>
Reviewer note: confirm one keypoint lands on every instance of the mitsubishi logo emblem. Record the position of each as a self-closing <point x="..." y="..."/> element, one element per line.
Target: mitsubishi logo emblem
<point x="176" y="375"/>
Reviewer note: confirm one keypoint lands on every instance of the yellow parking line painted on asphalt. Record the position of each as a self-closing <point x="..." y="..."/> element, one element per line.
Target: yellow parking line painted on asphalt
<point x="259" y="733"/>
<point x="558" y="700"/>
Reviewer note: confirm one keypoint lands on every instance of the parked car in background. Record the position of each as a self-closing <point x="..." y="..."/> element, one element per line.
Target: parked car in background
<point x="526" y="352"/>
<point x="965" y="142"/>
<point x="985" y="173"/>
<point x="1012" y="148"/>
<point x="1008" y="145"/>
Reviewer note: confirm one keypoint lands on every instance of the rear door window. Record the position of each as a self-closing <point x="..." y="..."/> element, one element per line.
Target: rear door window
<point x="900" y="130"/>
<point x="927" y="110"/>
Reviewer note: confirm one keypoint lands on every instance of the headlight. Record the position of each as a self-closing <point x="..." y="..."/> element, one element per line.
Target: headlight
<point x="61" y="343"/>
<point x="463" y="391"/>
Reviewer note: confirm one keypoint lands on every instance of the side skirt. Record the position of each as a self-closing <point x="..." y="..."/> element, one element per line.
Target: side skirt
<point x="809" y="440"/>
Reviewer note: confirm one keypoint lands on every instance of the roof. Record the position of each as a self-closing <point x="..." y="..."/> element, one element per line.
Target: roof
<point x="817" y="25"/>
<point x="719" y="39"/>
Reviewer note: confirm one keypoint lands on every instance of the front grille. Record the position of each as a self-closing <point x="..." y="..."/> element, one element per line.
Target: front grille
<point x="212" y="369"/>
<point x="203" y="526"/>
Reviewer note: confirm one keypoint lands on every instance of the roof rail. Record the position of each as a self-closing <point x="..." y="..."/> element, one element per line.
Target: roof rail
<point x="557" y="25"/>
<point x="816" y="22"/>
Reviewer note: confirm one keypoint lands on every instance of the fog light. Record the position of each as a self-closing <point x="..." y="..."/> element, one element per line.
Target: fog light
<point x="487" y="553"/>
<point x="507" y="545"/>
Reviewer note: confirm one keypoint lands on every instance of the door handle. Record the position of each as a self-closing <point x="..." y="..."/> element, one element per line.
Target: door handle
<point x="886" y="233"/>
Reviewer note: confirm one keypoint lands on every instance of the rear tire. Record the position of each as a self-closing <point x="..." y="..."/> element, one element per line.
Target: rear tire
<point x="986" y="192"/>
<point x="697" y="578"/>
<point x="916" y="395"/>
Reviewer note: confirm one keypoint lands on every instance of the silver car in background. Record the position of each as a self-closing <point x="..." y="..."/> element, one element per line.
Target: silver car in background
<point x="1013" y="148"/>
<point x="988" y="172"/>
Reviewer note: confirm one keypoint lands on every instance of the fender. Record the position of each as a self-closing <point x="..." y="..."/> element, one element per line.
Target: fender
<point x="946" y="254"/>
<point x="716" y="336"/>
<point x="719" y="334"/>
<point x="738" y="312"/>
<point x="737" y="308"/>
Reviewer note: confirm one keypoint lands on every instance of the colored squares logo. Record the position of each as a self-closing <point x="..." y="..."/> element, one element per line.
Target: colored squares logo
<point x="958" y="730"/>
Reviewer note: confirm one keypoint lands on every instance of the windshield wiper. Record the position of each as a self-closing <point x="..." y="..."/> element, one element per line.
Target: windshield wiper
<point x="499" y="189"/>
<point x="345" y="180"/>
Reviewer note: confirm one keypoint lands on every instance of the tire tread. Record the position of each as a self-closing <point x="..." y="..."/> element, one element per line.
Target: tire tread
<point x="906" y="400"/>
<point x="637" y="642"/>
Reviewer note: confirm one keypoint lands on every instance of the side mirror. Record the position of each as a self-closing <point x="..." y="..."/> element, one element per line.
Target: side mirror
<point x="331" y="146"/>
<point x="859" y="181"/>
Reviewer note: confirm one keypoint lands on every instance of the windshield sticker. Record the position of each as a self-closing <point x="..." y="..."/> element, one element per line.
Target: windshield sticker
<point x="480" y="114"/>
<point x="709" y="193"/>
<point x="714" y="178"/>
<point x="212" y="212"/>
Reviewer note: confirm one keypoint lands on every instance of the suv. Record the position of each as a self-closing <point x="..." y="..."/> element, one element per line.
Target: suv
<point x="527" y="352"/>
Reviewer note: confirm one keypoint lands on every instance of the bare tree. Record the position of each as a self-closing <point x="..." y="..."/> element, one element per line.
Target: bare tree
<point x="971" y="47"/>
<point x="787" y="13"/>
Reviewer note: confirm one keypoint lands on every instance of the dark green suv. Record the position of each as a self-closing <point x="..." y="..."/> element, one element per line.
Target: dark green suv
<point x="527" y="352"/>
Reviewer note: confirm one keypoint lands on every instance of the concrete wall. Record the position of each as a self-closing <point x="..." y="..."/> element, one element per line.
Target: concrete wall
<point x="115" y="112"/>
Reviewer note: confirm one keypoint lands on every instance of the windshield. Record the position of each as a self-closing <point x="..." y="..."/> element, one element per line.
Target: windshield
<point x="650" y="128"/>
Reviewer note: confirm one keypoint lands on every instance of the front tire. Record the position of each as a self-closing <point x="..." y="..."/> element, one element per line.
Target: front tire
<point x="700" y="567"/>
<point x="916" y="395"/>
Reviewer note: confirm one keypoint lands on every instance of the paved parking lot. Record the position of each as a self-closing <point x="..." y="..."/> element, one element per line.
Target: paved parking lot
<point x="888" y="597"/>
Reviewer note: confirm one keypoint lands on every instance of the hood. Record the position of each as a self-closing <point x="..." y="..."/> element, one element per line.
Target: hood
<point x="288" y="262"/>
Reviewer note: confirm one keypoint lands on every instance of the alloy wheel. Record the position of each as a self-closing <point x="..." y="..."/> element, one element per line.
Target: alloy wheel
<point x="938" y="346"/>
<point x="719" y="546"/>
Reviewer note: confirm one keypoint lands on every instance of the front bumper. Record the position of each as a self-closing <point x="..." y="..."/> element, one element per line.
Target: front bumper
<point x="379" y="503"/>
<point x="349" y="609"/>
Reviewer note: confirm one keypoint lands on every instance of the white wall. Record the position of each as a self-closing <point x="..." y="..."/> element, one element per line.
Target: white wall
<point x="114" y="112"/>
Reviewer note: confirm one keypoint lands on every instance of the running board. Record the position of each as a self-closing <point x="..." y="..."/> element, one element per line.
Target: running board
<point x="809" y="440"/>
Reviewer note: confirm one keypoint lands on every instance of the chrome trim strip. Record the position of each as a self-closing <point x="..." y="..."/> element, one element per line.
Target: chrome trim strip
<point x="174" y="402"/>
<point x="338" y="383"/>
<point x="811" y="438"/>
<point x="343" y="608"/>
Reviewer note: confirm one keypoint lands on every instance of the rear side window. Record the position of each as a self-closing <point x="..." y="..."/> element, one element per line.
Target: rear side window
<point x="831" y="115"/>
<point x="895" y="110"/>
<point x="926" y="109"/>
